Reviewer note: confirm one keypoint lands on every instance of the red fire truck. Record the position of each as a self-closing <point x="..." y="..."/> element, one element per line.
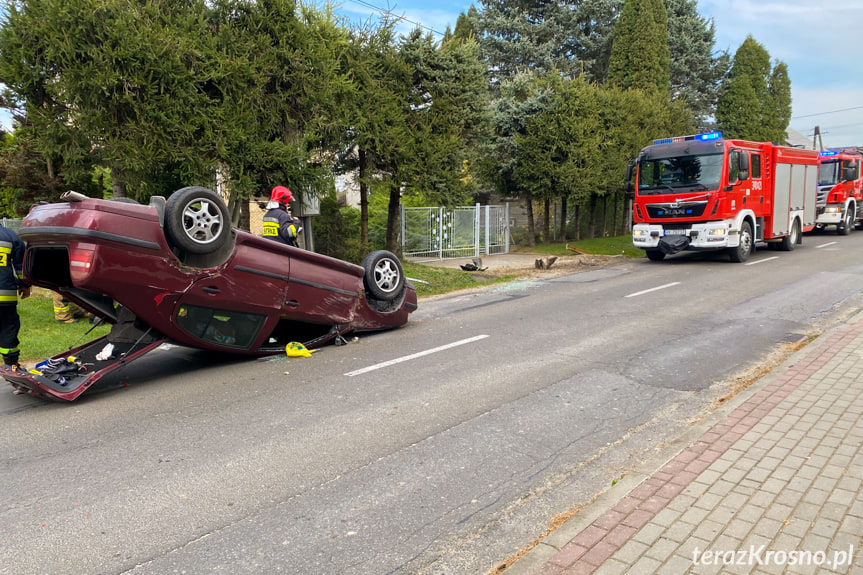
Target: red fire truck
<point x="840" y="190"/>
<point x="705" y="192"/>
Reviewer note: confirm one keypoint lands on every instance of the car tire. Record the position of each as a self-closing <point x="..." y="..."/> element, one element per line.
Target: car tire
<point x="790" y="241"/>
<point x="197" y="220"/>
<point x="847" y="225"/>
<point x="743" y="250"/>
<point x="383" y="276"/>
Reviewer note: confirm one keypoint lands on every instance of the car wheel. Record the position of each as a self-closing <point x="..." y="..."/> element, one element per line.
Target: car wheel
<point x="845" y="228"/>
<point x="743" y="250"/>
<point x="383" y="277"/>
<point x="791" y="240"/>
<point x="197" y="220"/>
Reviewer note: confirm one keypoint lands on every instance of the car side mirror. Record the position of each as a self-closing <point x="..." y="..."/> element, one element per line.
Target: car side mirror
<point x="628" y="187"/>
<point x="850" y="174"/>
<point x="743" y="166"/>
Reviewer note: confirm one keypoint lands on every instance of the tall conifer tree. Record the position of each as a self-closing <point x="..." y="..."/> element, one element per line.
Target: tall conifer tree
<point x="755" y="98"/>
<point x="639" y="54"/>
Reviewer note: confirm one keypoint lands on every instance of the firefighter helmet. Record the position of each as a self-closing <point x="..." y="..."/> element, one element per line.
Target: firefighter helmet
<point x="281" y="194"/>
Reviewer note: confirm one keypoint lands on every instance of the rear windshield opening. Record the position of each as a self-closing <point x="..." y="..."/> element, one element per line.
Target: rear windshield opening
<point x="49" y="266"/>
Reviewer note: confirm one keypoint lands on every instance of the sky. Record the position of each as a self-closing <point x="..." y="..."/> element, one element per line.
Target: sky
<point x="820" y="41"/>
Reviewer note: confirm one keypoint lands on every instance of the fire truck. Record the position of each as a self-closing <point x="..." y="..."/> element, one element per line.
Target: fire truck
<point x="840" y="190"/>
<point x="706" y="192"/>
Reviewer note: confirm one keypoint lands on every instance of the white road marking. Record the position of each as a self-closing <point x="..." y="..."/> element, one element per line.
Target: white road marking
<point x="825" y="245"/>
<point x="415" y="355"/>
<point x="651" y="289"/>
<point x="760" y="261"/>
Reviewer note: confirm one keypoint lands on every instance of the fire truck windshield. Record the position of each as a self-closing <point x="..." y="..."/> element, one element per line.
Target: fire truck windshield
<point x="659" y="175"/>
<point x="828" y="173"/>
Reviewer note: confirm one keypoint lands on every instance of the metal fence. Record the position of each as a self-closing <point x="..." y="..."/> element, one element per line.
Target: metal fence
<point x="441" y="233"/>
<point x="11" y="223"/>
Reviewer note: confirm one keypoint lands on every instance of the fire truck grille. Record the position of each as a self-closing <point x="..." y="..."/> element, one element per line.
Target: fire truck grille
<point x="679" y="211"/>
<point x="821" y="196"/>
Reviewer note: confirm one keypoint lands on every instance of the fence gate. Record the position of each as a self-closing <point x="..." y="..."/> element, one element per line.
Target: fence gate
<point x="440" y="233"/>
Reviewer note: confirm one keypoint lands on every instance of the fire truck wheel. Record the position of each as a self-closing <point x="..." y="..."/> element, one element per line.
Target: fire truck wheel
<point x="792" y="239"/>
<point x="846" y="226"/>
<point x="655" y="255"/>
<point x="744" y="249"/>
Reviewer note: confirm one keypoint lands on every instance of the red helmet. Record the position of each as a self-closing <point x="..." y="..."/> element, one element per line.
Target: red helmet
<point x="281" y="194"/>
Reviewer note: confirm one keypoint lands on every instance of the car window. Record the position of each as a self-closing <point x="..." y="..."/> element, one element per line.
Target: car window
<point x="220" y="327"/>
<point x="755" y="166"/>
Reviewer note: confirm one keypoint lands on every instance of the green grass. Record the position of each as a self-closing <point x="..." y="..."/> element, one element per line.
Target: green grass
<point x="42" y="337"/>
<point x="598" y="246"/>
<point x="445" y="280"/>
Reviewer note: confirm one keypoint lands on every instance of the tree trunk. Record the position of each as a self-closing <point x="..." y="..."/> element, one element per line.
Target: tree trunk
<point x="364" y="199"/>
<point x="576" y="234"/>
<point x="531" y="225"/>
<point x="563" y="219"/>
<point x="604" y="232"/>
<point x="627" y="215"/>
<point x="591" y="223"/>
<point x="118" y="182"/>
<point x="546" y="228"/>
<point x="616" y="219"/>
<point x="393" y="217"/>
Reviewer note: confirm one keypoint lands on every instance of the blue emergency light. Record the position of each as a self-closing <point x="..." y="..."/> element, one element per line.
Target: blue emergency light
<point x="828" y="153"/>
<point x="706" y="137"/>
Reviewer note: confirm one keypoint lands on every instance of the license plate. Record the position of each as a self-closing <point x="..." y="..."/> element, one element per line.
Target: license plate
<point x="676" y="232"/>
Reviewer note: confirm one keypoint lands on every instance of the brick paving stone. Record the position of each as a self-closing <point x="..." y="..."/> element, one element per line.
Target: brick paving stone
<point x="708" y="529"/>
<point x="722" y="514"/>
<point x="649" y="533"/>
<point x="825" y="527"/>
<point x="796" y="527"/>
<point x="612" y="567"/>
<point x="680" y="531"/>
<point x="631" y="552"/>
<point x="738" y="529"/>
<point x="569" y="554"/>
<point x="645" y="565"/>
<point x="599" y="553"/>
<point x="620" y="535"/>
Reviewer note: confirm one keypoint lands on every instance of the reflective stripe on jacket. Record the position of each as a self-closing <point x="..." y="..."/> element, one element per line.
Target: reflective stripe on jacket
<point x="11" y="260"/>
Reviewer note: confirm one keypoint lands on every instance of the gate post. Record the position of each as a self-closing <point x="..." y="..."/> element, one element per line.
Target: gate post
<point x="476" y="250"/>
<point x="403" y="227"/>
<point x="487" y="229"/>
<point x="506" y="219"/>
<point x="440" y="233"/>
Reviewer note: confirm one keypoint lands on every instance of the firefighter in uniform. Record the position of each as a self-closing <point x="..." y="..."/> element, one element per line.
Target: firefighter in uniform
<point x="11" y="286"/>
<point x="66" y="311"/>
<point x="279" y="224"/>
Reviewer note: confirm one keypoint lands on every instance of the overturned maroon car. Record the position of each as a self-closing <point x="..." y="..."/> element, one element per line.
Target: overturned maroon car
<point x="175" y="270"/>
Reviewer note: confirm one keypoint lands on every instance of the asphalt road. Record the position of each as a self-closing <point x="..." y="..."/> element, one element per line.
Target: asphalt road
<point x="441" y="447"/>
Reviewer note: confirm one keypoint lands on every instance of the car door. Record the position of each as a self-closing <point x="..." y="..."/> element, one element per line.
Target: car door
<point x="232" y="306"/>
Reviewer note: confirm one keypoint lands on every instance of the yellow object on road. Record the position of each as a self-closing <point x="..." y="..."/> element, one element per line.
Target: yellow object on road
<point x="296" y="349"/>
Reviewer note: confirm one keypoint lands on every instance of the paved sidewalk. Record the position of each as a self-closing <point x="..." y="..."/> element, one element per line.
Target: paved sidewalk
<point x="769" y="483"/>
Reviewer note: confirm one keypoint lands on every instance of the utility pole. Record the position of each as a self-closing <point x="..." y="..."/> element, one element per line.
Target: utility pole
<point x="817" y="136"/>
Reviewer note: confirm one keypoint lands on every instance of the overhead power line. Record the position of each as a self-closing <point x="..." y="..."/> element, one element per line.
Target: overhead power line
<point x="388" y="12"/>
<point x="825" y="113"/>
